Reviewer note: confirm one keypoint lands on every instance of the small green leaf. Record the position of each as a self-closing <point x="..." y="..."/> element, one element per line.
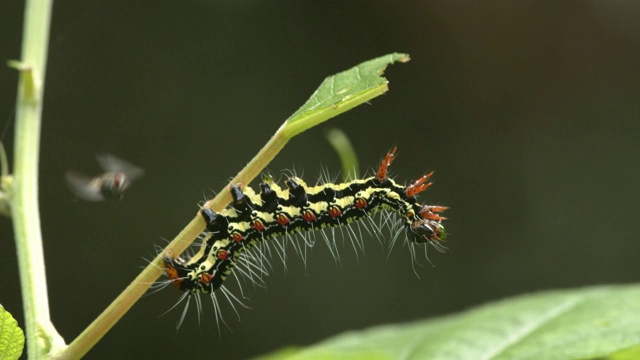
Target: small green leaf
<point x="341" y="92"/>
<point x="348" y="158"/>
<point x="597" y="322"/>
<point x="11" y="336"/>
<point x="27" y="80"/>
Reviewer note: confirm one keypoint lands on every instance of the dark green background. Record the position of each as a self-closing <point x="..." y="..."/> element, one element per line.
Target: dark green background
<point x="529" y="112"/>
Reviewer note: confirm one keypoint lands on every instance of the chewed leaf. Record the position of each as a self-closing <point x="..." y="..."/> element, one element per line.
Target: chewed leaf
<point x="595" y="322"/>
<point x="11" y="336"/>
<point x="343" y="91"/>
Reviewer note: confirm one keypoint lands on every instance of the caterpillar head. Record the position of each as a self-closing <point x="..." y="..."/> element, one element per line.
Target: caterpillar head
<point x="426" y="230"/>
<point x="429" y="226"/>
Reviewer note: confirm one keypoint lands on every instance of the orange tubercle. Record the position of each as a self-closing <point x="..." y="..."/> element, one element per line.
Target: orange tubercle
<point x="386" y="162"/>
<point x="418" y="186"/>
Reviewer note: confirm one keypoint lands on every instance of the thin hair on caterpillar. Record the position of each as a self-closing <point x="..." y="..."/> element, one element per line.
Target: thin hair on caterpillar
<point x="241" y="239"/>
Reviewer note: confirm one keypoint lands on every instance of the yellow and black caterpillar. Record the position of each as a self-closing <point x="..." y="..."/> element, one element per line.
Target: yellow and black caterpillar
<point x="253" y="218"/>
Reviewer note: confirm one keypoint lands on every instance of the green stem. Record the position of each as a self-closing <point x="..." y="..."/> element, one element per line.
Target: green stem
<point x="301" y="121"/>
<point x="110" y="316"/>
<point x="41" y="336"/>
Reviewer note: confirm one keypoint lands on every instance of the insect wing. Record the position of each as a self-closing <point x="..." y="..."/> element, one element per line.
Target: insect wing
<point x="112" y="164"/>
<point x="84" y="187"/>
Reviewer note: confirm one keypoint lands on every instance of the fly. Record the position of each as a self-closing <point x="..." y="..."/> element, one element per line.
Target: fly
<point x="113" y="183"/>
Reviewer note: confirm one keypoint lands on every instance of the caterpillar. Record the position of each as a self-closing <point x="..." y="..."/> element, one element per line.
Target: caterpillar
<point x="253" y="218"/>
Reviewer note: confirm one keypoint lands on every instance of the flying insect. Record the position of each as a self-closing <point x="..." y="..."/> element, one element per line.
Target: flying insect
<point x="112" y="184"/>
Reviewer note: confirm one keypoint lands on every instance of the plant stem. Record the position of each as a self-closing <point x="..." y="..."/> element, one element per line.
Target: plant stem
<point x="296" y="124"/>
<point x="110" y="316"/>
<point x="41" y="336"/>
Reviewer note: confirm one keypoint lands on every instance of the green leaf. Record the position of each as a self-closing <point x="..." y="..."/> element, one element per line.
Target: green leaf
<point x="27" y="80"/>
<point x="626" y="354"/>
<point x="348" y="158"/>
<point x="11" y="336"/>
<point x="597" y="322"/>
<point x="341" y="92"/>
